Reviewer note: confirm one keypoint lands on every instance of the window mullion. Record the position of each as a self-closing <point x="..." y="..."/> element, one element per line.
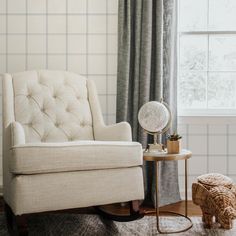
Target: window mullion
<point x="207" y="76"/>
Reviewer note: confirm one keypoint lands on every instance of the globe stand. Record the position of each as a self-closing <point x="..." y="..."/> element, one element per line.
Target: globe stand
<point x="155" y="147"/>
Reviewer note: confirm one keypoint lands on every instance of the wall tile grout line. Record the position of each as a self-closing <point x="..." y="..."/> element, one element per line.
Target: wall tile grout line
<point x="59" y="14"/>
<point x="26" y="36"/>
<point x="87" y="38"/>
<point x="213" y="134"/>
<point x="74" y="54"/>
<point x="107" y="100"/>
<point x="46" y="34"/>
<point x="66" y="34"/>
<point x="207" y="146"/>
<point x="7" y="36"/>
<point x="114" y="34"/>
<point x="187" y="136"/>
<point x="187" y="145"/>
<point x="195" y="175"/>
<point x="213" y="155"/>
<point x="227" y="149"/>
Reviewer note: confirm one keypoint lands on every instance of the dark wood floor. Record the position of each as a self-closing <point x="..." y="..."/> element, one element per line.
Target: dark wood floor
<point x="178" y="207"/>
<point x="193" y="210"/>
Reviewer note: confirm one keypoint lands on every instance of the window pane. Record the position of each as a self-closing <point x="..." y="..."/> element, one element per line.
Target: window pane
<point x="222" y="53"/>
<point x="222" y="14"/>
<point x="192" y="89"/>
<point x="222" y="90"/>
<point x="193" y="52"/>
<point x="193" y="15"/>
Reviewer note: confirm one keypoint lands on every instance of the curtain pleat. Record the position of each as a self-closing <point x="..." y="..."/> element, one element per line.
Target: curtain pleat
<point x="146" y="72"/>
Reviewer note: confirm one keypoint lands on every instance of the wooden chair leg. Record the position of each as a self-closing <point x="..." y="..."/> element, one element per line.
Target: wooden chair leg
<point x="16" y="225"/>
<point x="8" y="216"/>
<point x="21" y="225"/>
<point x="134" y="207"/>
<point x="135" y="213"/>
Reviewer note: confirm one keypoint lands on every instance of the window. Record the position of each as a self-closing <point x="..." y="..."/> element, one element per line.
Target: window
<point x="207" y="57"/>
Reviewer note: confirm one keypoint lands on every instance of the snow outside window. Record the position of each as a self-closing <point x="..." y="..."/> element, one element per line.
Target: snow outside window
<point x="207" y="57"/>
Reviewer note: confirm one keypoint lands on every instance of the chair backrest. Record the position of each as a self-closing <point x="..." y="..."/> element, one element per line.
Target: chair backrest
<point x="52" y="106"/>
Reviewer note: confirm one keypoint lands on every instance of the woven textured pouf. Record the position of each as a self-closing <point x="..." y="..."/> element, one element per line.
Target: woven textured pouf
<point x="216" y="195"/>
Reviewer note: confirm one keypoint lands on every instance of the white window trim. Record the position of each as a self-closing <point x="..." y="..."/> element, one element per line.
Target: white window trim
<point x="207" y="112"/>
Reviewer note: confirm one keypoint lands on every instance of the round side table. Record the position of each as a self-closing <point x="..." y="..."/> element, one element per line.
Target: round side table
<point x="157" y="157"/>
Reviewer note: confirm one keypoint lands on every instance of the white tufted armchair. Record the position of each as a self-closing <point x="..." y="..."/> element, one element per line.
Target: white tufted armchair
<point x="57" y="151"/>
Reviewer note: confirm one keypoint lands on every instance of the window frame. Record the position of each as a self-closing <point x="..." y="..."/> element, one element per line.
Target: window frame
<point x="207" y="33"/>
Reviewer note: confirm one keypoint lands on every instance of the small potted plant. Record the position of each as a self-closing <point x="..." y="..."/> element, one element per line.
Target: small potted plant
<point x="174" y="143"/>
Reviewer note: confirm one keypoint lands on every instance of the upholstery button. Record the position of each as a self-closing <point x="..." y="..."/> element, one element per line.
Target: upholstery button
<point x="29" y="96"/>
<point x="54" y="96"/>
<point x="57" y="125"/>
<point x="30" y="124"/>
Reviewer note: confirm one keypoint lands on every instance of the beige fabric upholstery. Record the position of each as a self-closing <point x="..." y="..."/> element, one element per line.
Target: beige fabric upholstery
<point x="72" y="156"/>
<point x="39" y="193"/>
<point x="18" y="134"/>
<point x="52" y="122"/>
<point x="120" y="131"/>
<point x="8" y="119"/>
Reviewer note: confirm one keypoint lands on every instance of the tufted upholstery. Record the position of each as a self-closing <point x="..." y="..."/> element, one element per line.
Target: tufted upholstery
<point x="52" y="106"/>
<point x="43" y="170"/>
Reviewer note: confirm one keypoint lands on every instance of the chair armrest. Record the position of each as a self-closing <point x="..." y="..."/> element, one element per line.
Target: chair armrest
<point x="102" y="132"/>
<point x="17" y="134"/>
<point x="117" y="132"/>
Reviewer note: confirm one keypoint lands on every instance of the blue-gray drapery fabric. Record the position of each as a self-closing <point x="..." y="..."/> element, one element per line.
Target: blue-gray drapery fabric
<point x="147" y="71"/>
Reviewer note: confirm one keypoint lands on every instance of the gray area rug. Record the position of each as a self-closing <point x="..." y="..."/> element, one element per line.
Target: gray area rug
<point x="93" y="225"/>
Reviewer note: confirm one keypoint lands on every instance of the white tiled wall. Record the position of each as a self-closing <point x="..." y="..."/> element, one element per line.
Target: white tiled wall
<point x="213" y="143"/>
<point x="75" y="35"/>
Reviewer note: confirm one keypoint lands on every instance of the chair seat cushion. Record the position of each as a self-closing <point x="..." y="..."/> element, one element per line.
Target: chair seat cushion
<point x="33" y="158"/>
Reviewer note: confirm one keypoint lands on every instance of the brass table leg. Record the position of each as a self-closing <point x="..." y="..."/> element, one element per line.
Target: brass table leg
<point x="170" y="212"/>
<point x="186" y="186"/>
<point x="157" y="200"/>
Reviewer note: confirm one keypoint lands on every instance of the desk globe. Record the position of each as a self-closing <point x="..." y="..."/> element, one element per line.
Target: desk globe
<point x="155" y="118"/>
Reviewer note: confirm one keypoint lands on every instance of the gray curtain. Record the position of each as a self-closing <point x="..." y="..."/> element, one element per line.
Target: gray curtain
<point x="146" y="72"/>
